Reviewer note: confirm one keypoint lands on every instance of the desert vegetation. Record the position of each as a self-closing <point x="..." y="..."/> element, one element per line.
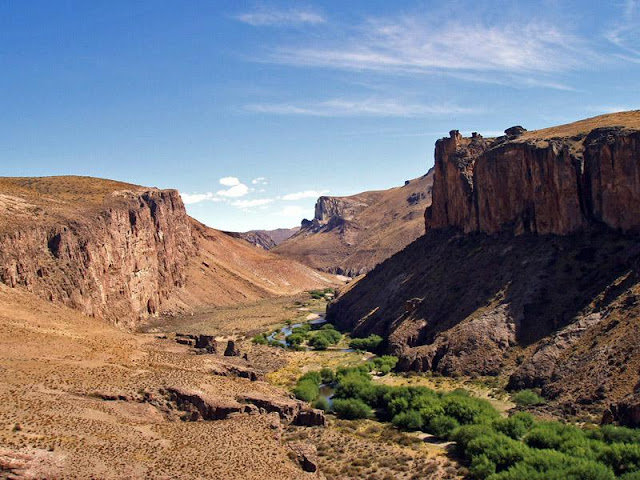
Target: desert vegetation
<point x="492" y="446"/>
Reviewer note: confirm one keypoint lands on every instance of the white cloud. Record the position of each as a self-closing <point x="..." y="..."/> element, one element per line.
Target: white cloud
<point x="294" y="211"/>
<point x="229" y="181"/>
<point x="427" y="45"/>
<point x="280" y="18"/>
<point x="259" y="181"/>
<point x="305" y="194"/>
<point x="235" y="191"/>
<point x="252" y="203"/>
<point x="370" y="107"/>
<point x="191" y="198"/>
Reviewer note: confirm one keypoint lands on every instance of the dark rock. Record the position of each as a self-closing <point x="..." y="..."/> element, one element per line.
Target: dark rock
<point x="310" y="418"/>
<point x="232" y="349"/>
<point x="307" y="456"/>
<point x="515" y="131"/>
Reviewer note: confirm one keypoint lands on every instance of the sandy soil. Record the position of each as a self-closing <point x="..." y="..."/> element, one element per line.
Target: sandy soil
<point x="53" y="360"/>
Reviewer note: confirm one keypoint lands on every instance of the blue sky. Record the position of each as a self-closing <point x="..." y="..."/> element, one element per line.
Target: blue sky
<point x="253" y="108"/>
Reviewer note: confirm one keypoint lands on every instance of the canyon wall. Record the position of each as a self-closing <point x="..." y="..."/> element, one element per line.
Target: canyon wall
<point x="117" y="262"/>
<point x="522" y="184"/>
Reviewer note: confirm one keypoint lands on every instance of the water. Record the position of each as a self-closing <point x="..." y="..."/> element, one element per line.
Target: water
<point x="288" y="329"/>
<point x="327" y="390"/>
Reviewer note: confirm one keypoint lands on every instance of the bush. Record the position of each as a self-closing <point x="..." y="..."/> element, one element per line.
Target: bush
<point x="295" y="339"/>
<point x="351" y="408"/>
<point x="526" y="398"/>
<point x="409" y="420"/>
<point x="442" y="425"/>
<point x="385" y="364"/>
<point x="260" y="339"/>
<point x="306" y="390"/>
<point x="327" y="375"/>
<point x="319" y="342"/>
<point x="370" y="343"/>
<point x="322" y="403"/>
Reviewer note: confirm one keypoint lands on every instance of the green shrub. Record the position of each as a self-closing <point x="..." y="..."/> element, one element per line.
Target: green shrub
<point x="306" y="390"/>
<point x="526" y="398"/>
<point x="481" y="467"/>
<point x="621" y="457"/>
<point x="370" y="343"/>
<point x="385" y="364"/>
<point x="515" y="426"/>
<point x="314" y="376"/>
<point x="327" y="375"/>
<point x="322" y="403"/>
<point x="295" y="339"/>
<point x="442" y="425"/>
<point x="319" y="342"/>
<point x="351" y="408"/>
<point x="260" y="339"/>
<point x="409" y="420"/>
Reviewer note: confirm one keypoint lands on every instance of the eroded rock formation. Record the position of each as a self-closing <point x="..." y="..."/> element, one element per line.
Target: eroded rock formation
<point x="529" y="268"/>
<point x="120" y="263"/>
<point x="556" y="185"/>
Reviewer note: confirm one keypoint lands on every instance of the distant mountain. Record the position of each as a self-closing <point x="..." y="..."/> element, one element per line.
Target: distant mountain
<point x="351" y="235"/>
<point x="125" y="252"/>
<point x="266" y="239"/>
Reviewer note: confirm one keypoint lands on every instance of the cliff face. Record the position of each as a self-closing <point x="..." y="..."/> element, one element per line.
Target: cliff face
<point x="554" y="306"/>
<point x="124" y="253"/>
<point x="119" y="263"/>
<point x="559" y="186"/>
<point x="350" y="235"/>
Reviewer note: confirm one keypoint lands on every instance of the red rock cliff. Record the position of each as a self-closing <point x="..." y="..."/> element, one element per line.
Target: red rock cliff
<point x="117" y="261"/>
<point x="520" y="183"/>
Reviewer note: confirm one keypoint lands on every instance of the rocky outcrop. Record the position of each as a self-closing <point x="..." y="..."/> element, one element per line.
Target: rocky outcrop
<point x="530" y="267"/>
<point x="197" y="405"/>
<point x="307" y="456"/>
<point x="289" y="409"/>
<point x="556" y="185"/>
<point x="350" y="235"/>
<point x="625" y="412"/>
<point x="120" y="263"/>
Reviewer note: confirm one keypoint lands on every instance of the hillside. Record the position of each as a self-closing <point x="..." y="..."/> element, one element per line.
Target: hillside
<point x="266" y="239"/>
<point x="528" y="270"/>
<point x="350" y="235"/>
<point x="124" y="252"/>
<point x="81" y="399"/>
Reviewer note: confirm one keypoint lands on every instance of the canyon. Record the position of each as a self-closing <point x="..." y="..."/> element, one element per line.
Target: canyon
<point x="351" y="235"/>
<point x="528" y="269"/>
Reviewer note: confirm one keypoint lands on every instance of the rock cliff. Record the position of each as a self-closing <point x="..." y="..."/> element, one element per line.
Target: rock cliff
<point x="123" y="252"/>
<point x="119" y="262"/>
<point x="350" y="235"/>
<point x="527" y="184"/>
<point x="529" y="268"/>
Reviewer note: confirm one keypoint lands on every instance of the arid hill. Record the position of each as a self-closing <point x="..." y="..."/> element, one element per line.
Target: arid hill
<point x="81" y="399"/>
<point x="266" y="239"/>
<point x="351" y="235"/>
<point x="529" y="268"/>
<point x="124" y="252"/>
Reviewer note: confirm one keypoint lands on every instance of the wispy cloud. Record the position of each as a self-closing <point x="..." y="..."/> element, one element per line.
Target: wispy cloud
<point x="258" y="202"/>
<point x="259" y="181"/>
<point x="626" y="34"/>
<point x="305" y="194"/>
<point x="424" y="45"/>
<point x="229" y="181"/>
<point x="370" y="107"/>
<point x="280" y="18"/>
